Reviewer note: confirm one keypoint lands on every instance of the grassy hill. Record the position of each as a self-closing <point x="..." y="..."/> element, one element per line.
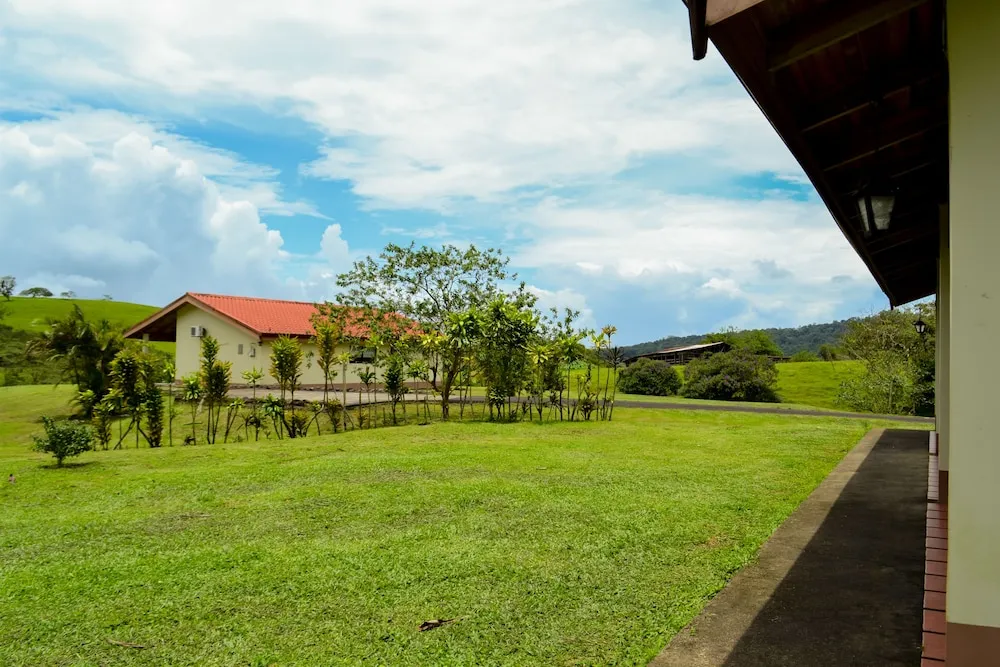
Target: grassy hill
<point x="790" y="339"/>
<point x="815" y="382"/>
<point x="30" y="314"/>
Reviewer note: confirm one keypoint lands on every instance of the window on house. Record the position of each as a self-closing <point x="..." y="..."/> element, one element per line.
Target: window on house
<point x="362" y="355"/>
<point x="239" y="349"/>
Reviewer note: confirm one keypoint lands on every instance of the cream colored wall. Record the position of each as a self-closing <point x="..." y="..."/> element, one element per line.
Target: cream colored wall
<point x="230" y="337"/>
<point x="974" y="476"/>
<point x="942" y="395"/>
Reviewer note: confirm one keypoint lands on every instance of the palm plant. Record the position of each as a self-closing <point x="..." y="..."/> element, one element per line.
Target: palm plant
<point x="192" y="393"/>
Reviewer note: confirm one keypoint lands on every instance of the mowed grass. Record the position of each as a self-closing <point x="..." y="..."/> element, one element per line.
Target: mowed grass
<point x="564" y="544"/>
<point x="815" y="383"/>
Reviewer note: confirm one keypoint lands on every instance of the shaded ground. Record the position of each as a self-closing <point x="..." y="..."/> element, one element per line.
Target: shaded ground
<point x="354" y="398"/>
<point x="840" y="583"/>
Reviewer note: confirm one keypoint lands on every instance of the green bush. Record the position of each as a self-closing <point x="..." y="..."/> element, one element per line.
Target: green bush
<point x="64" y="439"/>
<point x="804" y="355"/>
<point x="737" y="375"/>
<point x="649" y="377"/>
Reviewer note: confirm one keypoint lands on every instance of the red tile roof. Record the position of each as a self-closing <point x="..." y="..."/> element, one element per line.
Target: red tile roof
<point x="267" y="317"/>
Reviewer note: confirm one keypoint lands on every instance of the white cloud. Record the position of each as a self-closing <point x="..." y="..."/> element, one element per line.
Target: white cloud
<point x="562" y="299"/>
<point x="425" y="103"/>
<point x="127" y="217"/>
<point x="726" y="286"/>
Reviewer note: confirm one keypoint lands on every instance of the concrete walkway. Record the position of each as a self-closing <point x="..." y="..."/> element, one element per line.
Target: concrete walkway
<point x="839" y="583"/>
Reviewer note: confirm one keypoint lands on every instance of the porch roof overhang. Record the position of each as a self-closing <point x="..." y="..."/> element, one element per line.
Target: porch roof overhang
<point x="858" y="91"/>
<point x="162" y="325"/>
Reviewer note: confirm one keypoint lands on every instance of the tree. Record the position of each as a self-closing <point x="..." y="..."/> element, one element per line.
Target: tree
<point x="126" y="378"/>
<point x="68" y="294"/>
<point x="7" y="285"/>
<point x="286" y="369"/>
<point x="192" y="393"/>
<point x="63" y="439"/>
<point x="427" y="285"/>
<point x="507" y="329"/>
<point x="757" y="341"/>
<point x="327" y="338"/>
<point x="737" y="375"/>
<point x="804" y="355"/>
<point x="86" y="350"/>
<point x="253" y="377"/>
<point x="899" y="362"/>
<point x="650" y="377"/>
<point x="35" y="292"/>
<point x="215" y="378"/>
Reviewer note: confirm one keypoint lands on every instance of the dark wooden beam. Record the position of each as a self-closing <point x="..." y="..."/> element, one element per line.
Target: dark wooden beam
<point x="831" y="23"/>
<point x="897" y="80"/>
<point x="908" y="128"/>
<point x="697" y="17"/>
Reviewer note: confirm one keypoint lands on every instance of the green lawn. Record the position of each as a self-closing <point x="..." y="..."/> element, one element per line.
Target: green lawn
<point x="815" y="382"/>
<point x="557" y="544"/>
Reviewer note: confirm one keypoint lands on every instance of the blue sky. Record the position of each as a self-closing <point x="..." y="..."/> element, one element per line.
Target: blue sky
<point x="258" y="148"/>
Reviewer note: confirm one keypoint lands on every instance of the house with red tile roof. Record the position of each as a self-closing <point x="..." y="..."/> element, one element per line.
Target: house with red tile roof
<point x="245" y="328"/>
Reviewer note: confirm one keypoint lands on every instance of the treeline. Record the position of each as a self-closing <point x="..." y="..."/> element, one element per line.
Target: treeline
<point x="790" y="340"/>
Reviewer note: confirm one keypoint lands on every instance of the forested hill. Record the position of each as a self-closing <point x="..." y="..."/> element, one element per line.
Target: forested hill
<point x="790" y="340"/>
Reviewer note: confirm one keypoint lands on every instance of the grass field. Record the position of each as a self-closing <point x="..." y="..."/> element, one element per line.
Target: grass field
<point x="30" y="314"/>
<point x="556" y="544"/>
<point x="815" y="383"/>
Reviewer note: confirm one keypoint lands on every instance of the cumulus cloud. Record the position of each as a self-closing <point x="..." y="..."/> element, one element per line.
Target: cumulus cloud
<point x="425" y="104"/>
<point x="125" y="217"/>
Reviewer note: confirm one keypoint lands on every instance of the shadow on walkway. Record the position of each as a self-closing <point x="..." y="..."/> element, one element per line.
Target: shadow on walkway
<point x="842" y="587"/>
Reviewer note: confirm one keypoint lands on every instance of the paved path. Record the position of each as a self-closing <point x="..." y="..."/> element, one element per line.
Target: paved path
<point x="353" y="398"/>
<point x="839" y="583"/>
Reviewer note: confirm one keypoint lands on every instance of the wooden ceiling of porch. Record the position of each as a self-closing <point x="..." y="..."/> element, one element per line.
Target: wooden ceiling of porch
<point x="858" y="90"/>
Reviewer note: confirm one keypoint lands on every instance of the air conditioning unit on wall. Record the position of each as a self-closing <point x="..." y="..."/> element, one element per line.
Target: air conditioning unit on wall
<point x="198" y="332"/>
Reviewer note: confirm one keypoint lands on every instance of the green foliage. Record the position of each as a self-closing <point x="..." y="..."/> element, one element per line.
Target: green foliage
<point x="7" y="286"/>
<point x="430" y="285"/>
<point x="790" y="340"/>
<point x="756" y="341"/>
<point x="191" y="391"/>
<point x="85" y="348"/>
<point x="286" y="364"/>
<point x="36" y="292"/>
<point x="829" y="352"/>
<point x="804" y="356"/>
<point x="737" y="375"/>
<point x="63" y="439"/>
<point x="649" y="377"/>
<point x="104" y="413"/>
<point x="215" y="376"/>
<point x="506" y="330"/>
<point x="328" y="336"/>
<point x="899" y="362"/>
<point x="394" y="380"/>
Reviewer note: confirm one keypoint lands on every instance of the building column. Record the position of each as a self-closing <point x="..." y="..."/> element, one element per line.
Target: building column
<point x="942" y="361"/>
<point x="973" y="597"/>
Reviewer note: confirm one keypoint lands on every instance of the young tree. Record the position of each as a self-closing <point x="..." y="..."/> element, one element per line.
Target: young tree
<point x="427" y="285"/>
<point x="286" y="369"/>
<point x="63" y="439"/>
<point x="7" y="285"/>
<point x="253" y="377"/>
<point x="215" y="378"/>
<point x="192" y="393"/>
<point x="507" y="329"/>
<point x="127" y="379"/>
<point x="327" y="339"/>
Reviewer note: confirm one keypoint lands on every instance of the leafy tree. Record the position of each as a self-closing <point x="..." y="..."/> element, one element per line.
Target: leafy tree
<point x="899" y="362"/>
<point x="507" y="328"/>
<point x="63" y="439"/>
<point x="7" y="285"/>
<point x="394" y="380"/>
<point x="286" y="369"/>
<point x="85" y="348"/>
<point x="104" y="413"/>
<point x="127" y="379"/>
<point x="35" y="292"/>
<point x="253" y="377"/>
<point x="650" y="377"/>
<point x="427" y="285"/>
<point x="756" y="341"/>
<point x="327" y="339"/>
<point x="737" y="375"/>
<point x="215" y="378"/>
<point x="192" y="393"/>
<point x="68" y="294"/>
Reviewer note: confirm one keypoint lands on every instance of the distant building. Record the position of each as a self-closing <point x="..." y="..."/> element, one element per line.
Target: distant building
<point x="682" y="354"/>
<point x="245" y="328"/>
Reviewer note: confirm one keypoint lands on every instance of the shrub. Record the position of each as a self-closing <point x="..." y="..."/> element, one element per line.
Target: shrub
<point x="63" y="439"/>
<point x="804" y="355"/>
<point x="737" y="375"/>
<point x="650" y="378"/>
